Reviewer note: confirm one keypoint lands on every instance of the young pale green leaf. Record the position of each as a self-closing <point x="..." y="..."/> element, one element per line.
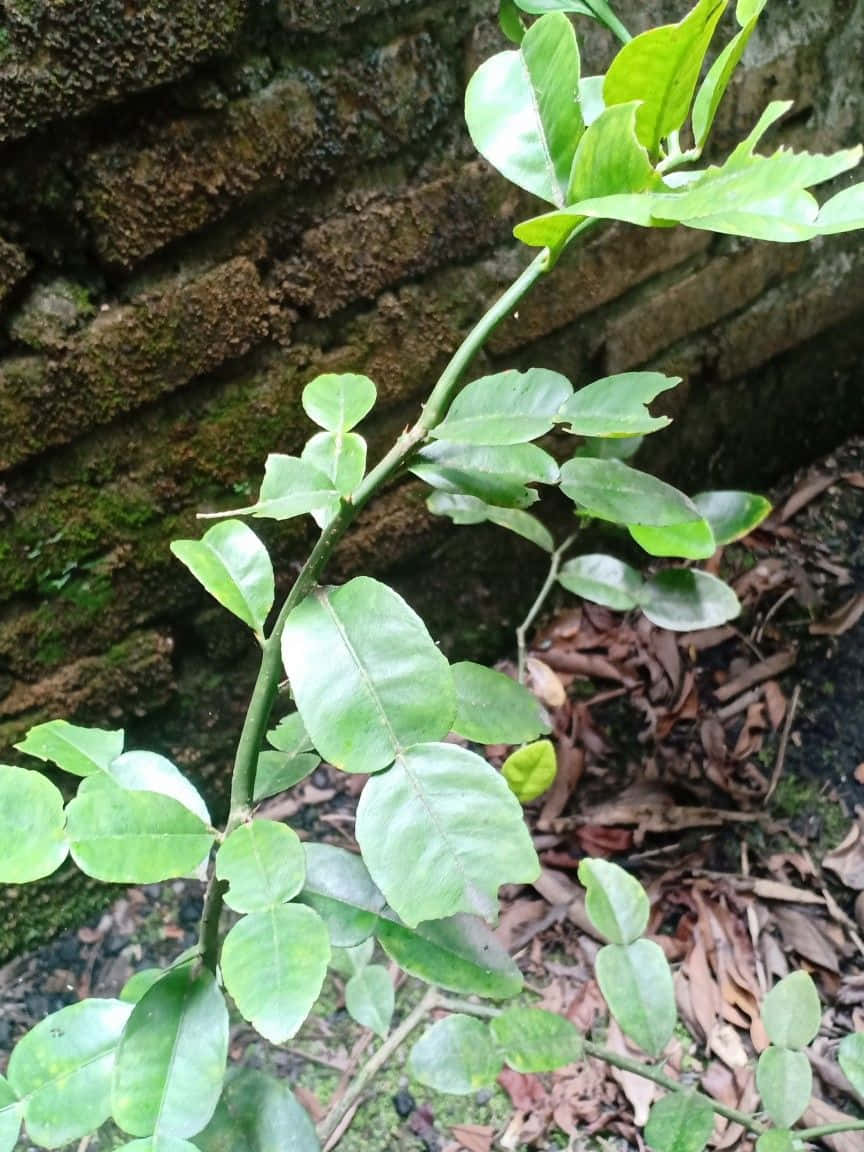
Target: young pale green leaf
<point x="618" y="405"/>
<point x="637" y="985"/>
<point x="777" y="1140"/>
<point x="531" y="1040"/>
<point x="510" y="22"/>
<point x="339" y="455"/>
<point x="340" y="889"/>
<point x="680" y="1122"/>
<point x="470" y="510"/>
<point x="602" y="580"/>
<point x="693" y="541"/>
<point x="491" y="708"/>
<point x="683" y="600"/>
<point x="348" y="962"/>
<point x="713" y="87"/>
<point x="150" y="772"/>
<point x="458" y="953"/>
<point x="421" y="841"/>
<point x="615" y="901"/>
<point x="496" y="474"/>
<point x="785" y="1082"/>
<point x="290" y="736"/>
<point x="610" y="490"/>
<point x="263" y="864"/>
<point x="80" y="751"/>
<point x="522" y="109"/>
<point x="531" y="770"/>
<point x="599" y="10"/>
<point x="135" y="837"/>
<point x="10" y="1117"/>
<point x="661" y="68"/>
<point x="32" y="826"/>
<point x="792" y="1012"/>
<point x="591" y="99"/>
<point x="732" y="515"/>
<point x="370" y="998"/>
<point x="851" y="1057"/>
<point x="139" y="983"/>
<point x="258" y="1113"/>
<point x="455" y="1056"/>
<point x="843" y="212"/>
<point x="171" y="1060"/>
<point x="366" y="675"/>
<point x="507" y="408"/>
<point x="291" y="487"/>
<point x="273" y="965"/>
<point x="61" y="1070"/>
<point x="161" y="1143"/>
<point x="234" y="567"/>
<point x="610" y="158"/>
<point x="339" y="402"/>
<point x="277" y="772"/>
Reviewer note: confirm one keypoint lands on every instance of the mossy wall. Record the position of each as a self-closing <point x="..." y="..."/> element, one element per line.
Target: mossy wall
<point x="204" y="203"/>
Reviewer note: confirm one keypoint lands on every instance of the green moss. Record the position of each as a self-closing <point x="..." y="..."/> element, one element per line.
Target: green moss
<point x="797" y="796"/>
<point x="31" y="915"/>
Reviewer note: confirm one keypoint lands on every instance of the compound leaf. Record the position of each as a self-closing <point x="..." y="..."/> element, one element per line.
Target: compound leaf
<point x="291" y="487"/>
<point x="602" y="580"/>
<point x="80" y="751"/>
<point x="492" y="708"/>
<point x="618" y="405"/>
<point x="339" y="888"/>
<point x="455" y="1056"/>
<point x="615" y="901"/>
<point x="637" y="985"/>
<point x="792" y="1012"/>
<point x="785" y="1082"/>
<point x="531" y="770"/>
<point x="610" y="490"/>
<point x="32" y="826"/>
<point x="337" y="402"/>
<point x="684" y="599"/>
<point x="680" y="1122"/>
<point x="234" y="567"/>
<point x="263" y="864"/>
<point x="532" y="1040"/>
<point x="507" y="408"/>
<point x="258" y="1113"/>
<point x="370" y="998"/>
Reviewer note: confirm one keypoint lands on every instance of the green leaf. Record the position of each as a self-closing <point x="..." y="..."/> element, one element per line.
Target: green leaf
<point x="510" y="21"/>
<point x="291" y="487"/>
<point x="349" y="961"/>
<point x="425" y="848"/>
<point x="497" y="474"/>
<point x="843" y="212"/>
<point x="139" y="983"/>
<point x="31" y="826"/>
<point x="491" y="708"/>
<point x="792" y="1012"/>
<point x="713" y="87"/>
<point x="455" y="1056"/>
<point x="150" y="772"/>
<point x="523" y="112"/>
<point x="171" y="1060"/>
<point x="693" y="541"/>
<point x="370" y="999"/>
<point x="135" y="837"/>
<point x="530" y="771"/>
<point x="683" y="600"/>
<point x="234" y="567"/>
<point x="618" y="405"/>
<point x="637" y="985"/>
<point x="339" y="402"/>
<point x="81" y="751"/>
<point x="470" y="510"/>
<point x="507" y="408"/>
<point x="10" y="1117"/>
<point x="366" y="675"/>
<point x="290" y="736"/>
<point x="777" y="1140"/>
<point x="785" y="1082"/>
<point x="339" y="455"/>
<point x="851" y="1057"/>
<point x="680" y="1122"/>
<point x="532" y="1040"/>
<point x="661" y="68"/>
<point x="277" y="772"/>
<point x="258" y="1113"/>
<point x="602" y="580"/>
<point x="616" y="902"/>
<point x="610" y="490"/>
<point x="61" y="1070"/>
<point x="598" y="9"/>
<point x="340" y="889"/>
<point x="458" y="953"/>
<point x="732" y="515"/>
<point x="620" y="448"/>
<point x="273" y="965"/>
<point x="263" y="863"/>
<point x="158" y="1144"/>
<point x="609" y="157"/>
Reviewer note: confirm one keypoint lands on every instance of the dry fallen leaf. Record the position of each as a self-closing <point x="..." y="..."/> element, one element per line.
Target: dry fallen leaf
<point x="474" y="1137"/>
<point x="843" y="620"/>
<point x="639" y="1092"/>
<point x="847" y="859"/>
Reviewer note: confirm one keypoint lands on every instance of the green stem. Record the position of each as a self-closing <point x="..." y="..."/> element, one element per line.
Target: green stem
<point x="537" y="606"/>
<point x="829" y="1130"/>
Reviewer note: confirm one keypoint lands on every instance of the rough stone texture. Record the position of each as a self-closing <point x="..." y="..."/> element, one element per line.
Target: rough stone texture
<point x="202" y="206"/>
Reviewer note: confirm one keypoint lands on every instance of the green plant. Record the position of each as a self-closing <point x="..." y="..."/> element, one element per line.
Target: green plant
<point x="439" y="829"/>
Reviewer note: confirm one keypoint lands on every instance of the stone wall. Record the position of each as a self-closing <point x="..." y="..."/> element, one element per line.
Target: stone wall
<point x="204" y="204"/>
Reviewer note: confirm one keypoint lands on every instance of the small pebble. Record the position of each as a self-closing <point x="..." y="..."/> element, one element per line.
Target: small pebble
<point x="404" y="1103"/>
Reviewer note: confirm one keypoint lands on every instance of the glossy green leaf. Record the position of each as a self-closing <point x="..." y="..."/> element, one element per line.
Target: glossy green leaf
<point x="851" y="1057"/>
<point x="263" y="863"/>
<point x="615" y="901"/>
<point x="150" y="772"/>
<point x="497" y="474"/>
<point x="171" y="1060"/>
<point x="777" y="1140"/>
<point x="341" y="456"/>
<point x="531" y="1040"/>
<point x="338" y="402"/>
<point x="135" y="837"/>
<point x="273" y="965"/>
<point x="277" y="772"/>
<point x="732" y="515"/>
<point x="637" y="985"/>
<point x="10" y="1117"/>
<point x="661" y="69"/>
<point x="792" y="1012"/>
<point x="524" y="525"/>
<point x="338" y="886"/>
<point x="455" y="1056"/>
<point x="785" y="1082"/>
<point x="507" y="408"/>
<point x="139" y="983"/>
<point x="713" y="87"/>
<point x="470" y="510"/>
<point x="618" y="405"/>
<point x="366" y="675"/>
<point x="370" y="998"/>
<point x="81" y="751"/>
<point x="258" y="1113"/>
<point x="290" y="736"/>
<point x="234" y="567"/>
<point x="610" y="158"/>
<point x="610" y="490"/>
<point x="425" y="848"/>
<point x="347" y="962"/>
<point x="492" y="708"/>
<point x="522" y="109"/>
<point x="680" y="1122"/>
<point x="32" y="826"/>
<point x="459" y="954"/>
<point x="510" y="21"/>
<point x="291" y="487"/>
<point x="693" y="541"/>
<point x="602" y="580"/>
<point x="531" y="770"/>
<point x="61" y="1070"/>
<point x="683" y="600"/>
<point x="598" y="9"/>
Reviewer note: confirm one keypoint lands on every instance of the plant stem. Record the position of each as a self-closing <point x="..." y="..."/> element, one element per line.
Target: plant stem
<point x="829" y="1130"/>
<point x="536" y="607"/>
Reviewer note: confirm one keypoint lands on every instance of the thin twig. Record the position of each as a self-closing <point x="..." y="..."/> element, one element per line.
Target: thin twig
<point x="537" y="606"/>
<point x="784" y="743"/>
